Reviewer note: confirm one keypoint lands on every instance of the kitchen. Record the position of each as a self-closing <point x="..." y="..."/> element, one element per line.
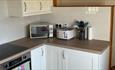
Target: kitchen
<point x="15" y="28"/>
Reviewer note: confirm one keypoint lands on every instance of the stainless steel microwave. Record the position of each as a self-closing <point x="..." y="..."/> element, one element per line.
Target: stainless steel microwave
<point x="41" y="30"/>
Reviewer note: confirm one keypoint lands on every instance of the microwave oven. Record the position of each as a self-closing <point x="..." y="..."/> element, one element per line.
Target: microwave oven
<point x="41" y="30"/>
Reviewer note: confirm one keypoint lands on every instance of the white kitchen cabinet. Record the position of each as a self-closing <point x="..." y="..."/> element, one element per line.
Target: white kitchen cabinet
<point x="79" y="60"/>
<point x="46" y="5"/>
<point x="44" y="58"/>
<point x="38" y="59"/>
<point x="51" y="57"/>
<point x="48" y="57"/>
<point x="21" y="8"/>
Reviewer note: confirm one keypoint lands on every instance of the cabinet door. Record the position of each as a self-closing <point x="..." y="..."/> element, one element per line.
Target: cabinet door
<point x="77" y="60"/>
<point x="38" y="59"/>
<point x="34" y="7"/>
<point x="31" y="6"/>
<point x="51" y="57"/>
<point x="46" y="5"/>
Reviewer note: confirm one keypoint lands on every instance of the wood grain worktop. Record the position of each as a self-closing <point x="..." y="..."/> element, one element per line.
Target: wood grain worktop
<point x="91" y="46"/>
<point x="94" y="46"/>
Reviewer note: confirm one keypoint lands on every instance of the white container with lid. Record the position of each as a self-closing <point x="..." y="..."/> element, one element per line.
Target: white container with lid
<point x="65" y="33"/>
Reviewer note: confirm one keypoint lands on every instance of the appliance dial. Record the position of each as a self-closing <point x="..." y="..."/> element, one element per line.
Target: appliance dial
<point x="6" y="66"/>
<point x="24" y="57"/>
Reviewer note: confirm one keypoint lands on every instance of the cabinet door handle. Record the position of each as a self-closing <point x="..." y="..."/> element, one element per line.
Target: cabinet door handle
<point x="42" y="51"/>
<point x="25" y="6"/>
<point x="63" y="54"/>
<point x="40" y="5"/>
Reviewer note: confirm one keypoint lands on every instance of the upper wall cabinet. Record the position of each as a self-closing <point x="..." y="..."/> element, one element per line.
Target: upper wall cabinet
<point x="21" y="8"/>
<point x="83" y="2"/>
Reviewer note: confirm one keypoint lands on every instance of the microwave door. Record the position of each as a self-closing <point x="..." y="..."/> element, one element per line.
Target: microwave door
<point x="33" y="31"/>
<point x="39" y="32"/>
<point x="44" y="32"/>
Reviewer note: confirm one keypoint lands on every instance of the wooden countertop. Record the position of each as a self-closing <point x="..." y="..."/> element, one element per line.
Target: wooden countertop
<point x="92" y="46"/>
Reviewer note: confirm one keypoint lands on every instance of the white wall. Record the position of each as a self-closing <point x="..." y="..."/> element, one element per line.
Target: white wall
<point x="3" y="9"/>
<point x="12" y="28"/>
<point x="66" y="15"/>
<point x="113" y="43"/>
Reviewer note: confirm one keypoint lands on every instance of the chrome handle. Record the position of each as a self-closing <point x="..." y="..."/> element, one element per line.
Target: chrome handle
<point x="42" y="51"/>
<point x="25" y="6"/>
<point x="63" y="54"/>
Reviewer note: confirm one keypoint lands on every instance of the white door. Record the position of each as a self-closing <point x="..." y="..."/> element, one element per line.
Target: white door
<point x="31" y="6"/>
<point x="38" y="59"/>
<point x="51" y="57"/>
<point x="46" y="6"/>
<point x="77" y="60"/>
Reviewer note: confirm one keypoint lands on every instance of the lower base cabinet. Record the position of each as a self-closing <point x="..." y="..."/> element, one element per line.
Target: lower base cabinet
<point x="77" y="60"/>
<point x="38" y="59"/>
<point x="50" y="57"/>
<point x="44" y="58"/>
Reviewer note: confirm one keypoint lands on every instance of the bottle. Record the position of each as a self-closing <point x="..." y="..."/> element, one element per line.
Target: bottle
<point x="81" y="34"/>
<point x="90" y="33"/>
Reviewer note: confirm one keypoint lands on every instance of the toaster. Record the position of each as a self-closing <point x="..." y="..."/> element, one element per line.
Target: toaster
<point x="65" y="33"/>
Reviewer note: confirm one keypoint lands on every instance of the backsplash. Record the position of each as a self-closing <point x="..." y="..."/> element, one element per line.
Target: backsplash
<point x="99" y="20"/>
